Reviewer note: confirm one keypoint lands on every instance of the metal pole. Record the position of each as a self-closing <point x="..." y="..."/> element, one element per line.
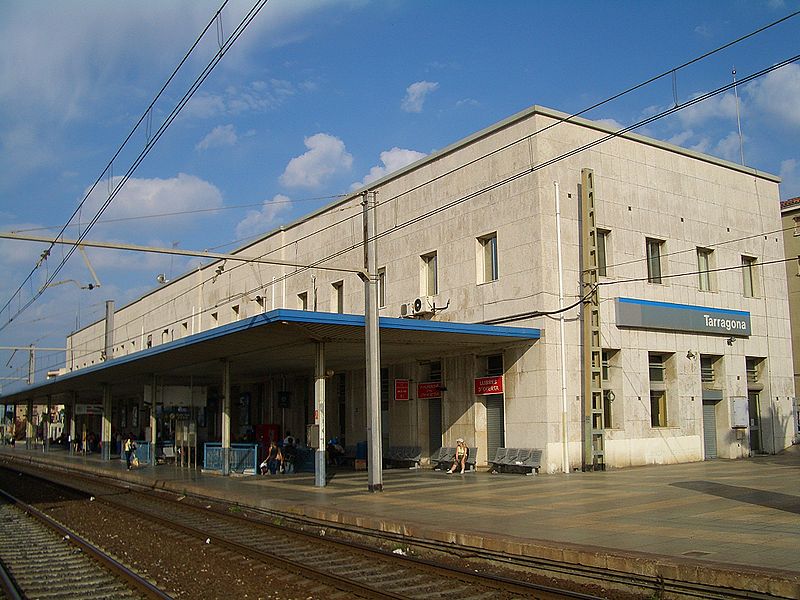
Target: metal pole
<point x="320" y="475"/>
<point x="564" y="405"/>
<point x="105" y="435"/>
<point x="226" y="417"/>
<point x="738" y="121"/>
<point x="154" y="419"/>
<point x="374" y="441"/>
<point x="109" y="330"/>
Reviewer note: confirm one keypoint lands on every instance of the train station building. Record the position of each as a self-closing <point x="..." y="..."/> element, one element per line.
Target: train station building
<point x="546" y="283"/>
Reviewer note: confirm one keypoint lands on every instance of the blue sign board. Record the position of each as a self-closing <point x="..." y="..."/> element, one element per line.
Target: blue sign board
<point x="646" y="314"/>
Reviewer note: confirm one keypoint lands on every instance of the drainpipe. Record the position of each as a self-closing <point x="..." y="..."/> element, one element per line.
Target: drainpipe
<point x="564" y="405"/>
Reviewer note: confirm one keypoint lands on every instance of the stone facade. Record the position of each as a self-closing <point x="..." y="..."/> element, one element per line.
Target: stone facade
<point x="496" y="188"/>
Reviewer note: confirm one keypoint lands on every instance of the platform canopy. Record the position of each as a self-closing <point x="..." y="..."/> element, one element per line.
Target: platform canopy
<point x="280" y="341"/>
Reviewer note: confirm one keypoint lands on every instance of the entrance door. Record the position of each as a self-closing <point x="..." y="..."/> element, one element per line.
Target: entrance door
<point x="434" y="424"/>
<point x="710" y="429"/>
<point x="495" y="425"/>
<point x="754" y="406"/>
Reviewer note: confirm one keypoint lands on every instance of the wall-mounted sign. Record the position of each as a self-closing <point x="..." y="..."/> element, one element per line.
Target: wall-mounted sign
<point x="88" y="409"/>
<point x="646" y="314"/>
<point x="401" y="389"/>
<point x="284" y="399"/>
<point x="486" y="386"/>
<point x="428" y="390"/>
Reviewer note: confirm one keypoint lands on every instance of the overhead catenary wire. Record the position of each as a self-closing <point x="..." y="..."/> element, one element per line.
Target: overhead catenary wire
<point x="109" y="165"/>
<point x="540" y="166"/>
<point x="216" y="19"/>
<point x="526" y="172"/>
<point x="148" y="147"/>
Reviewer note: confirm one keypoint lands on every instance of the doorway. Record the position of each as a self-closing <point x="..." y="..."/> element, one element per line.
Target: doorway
<point x="710" y="429"/>
<point x="495" y="425"/>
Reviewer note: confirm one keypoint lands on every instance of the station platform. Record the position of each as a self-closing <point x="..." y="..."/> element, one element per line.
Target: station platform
<point x="726" y="522"/>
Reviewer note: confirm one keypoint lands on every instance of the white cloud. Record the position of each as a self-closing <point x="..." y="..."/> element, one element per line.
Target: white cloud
<point x="721" y="106"/>
<point x="467" y="102"/>
<point x="777" y="94"/>
<point x="258" y="222"/>
<point x="613" y="123"/>
<point x="392" y="160"/>
<point x="728" y="148"/>
<point x="680" y="139"/>
<point x="790" y="174"/>
<point x="326" y="156"/>
<point x="139" y="197"/>
<point x="220" y="136"/>
<point x="416" y="94"/>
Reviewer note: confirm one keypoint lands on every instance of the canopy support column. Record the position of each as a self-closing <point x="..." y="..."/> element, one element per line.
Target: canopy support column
<point x="320" y="475"/>
<point x="105" y="435"/>
<point x="226" y="417"/>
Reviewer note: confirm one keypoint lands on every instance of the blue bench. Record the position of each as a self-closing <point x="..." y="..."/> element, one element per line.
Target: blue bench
<point x="516" y="460"/>
<point x="444" y="457"/>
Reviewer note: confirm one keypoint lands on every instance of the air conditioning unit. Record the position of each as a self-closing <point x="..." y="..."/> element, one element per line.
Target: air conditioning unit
<point x="406" y="310"/>
<point x="424" y="305"/>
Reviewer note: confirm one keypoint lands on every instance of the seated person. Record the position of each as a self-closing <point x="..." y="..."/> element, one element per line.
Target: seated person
<point x="462" y="452"/>
<point x="335" y="452"/>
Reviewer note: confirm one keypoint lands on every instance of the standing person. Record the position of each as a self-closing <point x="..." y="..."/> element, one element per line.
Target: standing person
<point x="289" y="455"/>
<point x="273" y="460"/>
<point x="129" y="446"/>
<point x="462" y="452"/>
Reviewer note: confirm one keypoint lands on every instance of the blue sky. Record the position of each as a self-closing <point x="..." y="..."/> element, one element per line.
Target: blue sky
<point x="319" y="96"/>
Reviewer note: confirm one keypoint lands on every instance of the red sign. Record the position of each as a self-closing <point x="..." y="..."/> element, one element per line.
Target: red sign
<point x="485" y="386"/>
<point x="431" y="389"/>
<point x="401" y="389"/>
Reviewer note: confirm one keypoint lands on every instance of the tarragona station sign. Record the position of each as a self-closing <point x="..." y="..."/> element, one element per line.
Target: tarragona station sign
<point x="647" y="314"/>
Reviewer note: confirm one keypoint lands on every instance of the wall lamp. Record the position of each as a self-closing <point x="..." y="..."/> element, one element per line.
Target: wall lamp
<point x="690" y="355"/>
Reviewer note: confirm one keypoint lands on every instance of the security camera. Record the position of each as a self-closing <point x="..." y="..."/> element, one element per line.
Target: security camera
<point x="730" y="341"/>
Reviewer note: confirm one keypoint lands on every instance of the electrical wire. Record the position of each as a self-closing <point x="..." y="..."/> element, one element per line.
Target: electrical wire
<point x="184" y="212"/>
<point x="119" y="150"/>
<point x="554" y="160"/>
<point x="148" y="147"/>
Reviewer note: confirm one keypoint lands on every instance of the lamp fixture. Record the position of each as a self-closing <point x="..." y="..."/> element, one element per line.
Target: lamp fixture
<point x="690" y="355"/>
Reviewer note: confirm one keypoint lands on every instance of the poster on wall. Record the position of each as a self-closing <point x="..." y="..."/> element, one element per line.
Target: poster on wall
<point x="401" y="391"/>
<point x="429" y="389"/>
<point x="487" y="386"/>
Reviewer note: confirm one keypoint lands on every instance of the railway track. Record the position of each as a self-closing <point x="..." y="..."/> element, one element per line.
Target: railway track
<point x="354" y="569"/>
<point x="41" y="559"/>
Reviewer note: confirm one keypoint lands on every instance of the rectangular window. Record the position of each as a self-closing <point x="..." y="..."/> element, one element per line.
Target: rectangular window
<point x="602" y="252"/>
<point x="338" y="296"/>
<point x="382" y="287"/>
<point x="494" y="365"/>
<point x="749" y="277"/>
<point x="707" y="369"/>
<point x="658" y="392"/>
<point x="658" y="408"/>
<point x="488" y="246"/>
<point x="752" y="365"/>
<point x="703" y="269"/>
<point x="430" y="274"/>
<point x="796" y="226"/>
<point x="302" y="300"/>
<point x="604" y="368"/>
<point x="654" y="260"/>
<point x="656" y="368"/>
